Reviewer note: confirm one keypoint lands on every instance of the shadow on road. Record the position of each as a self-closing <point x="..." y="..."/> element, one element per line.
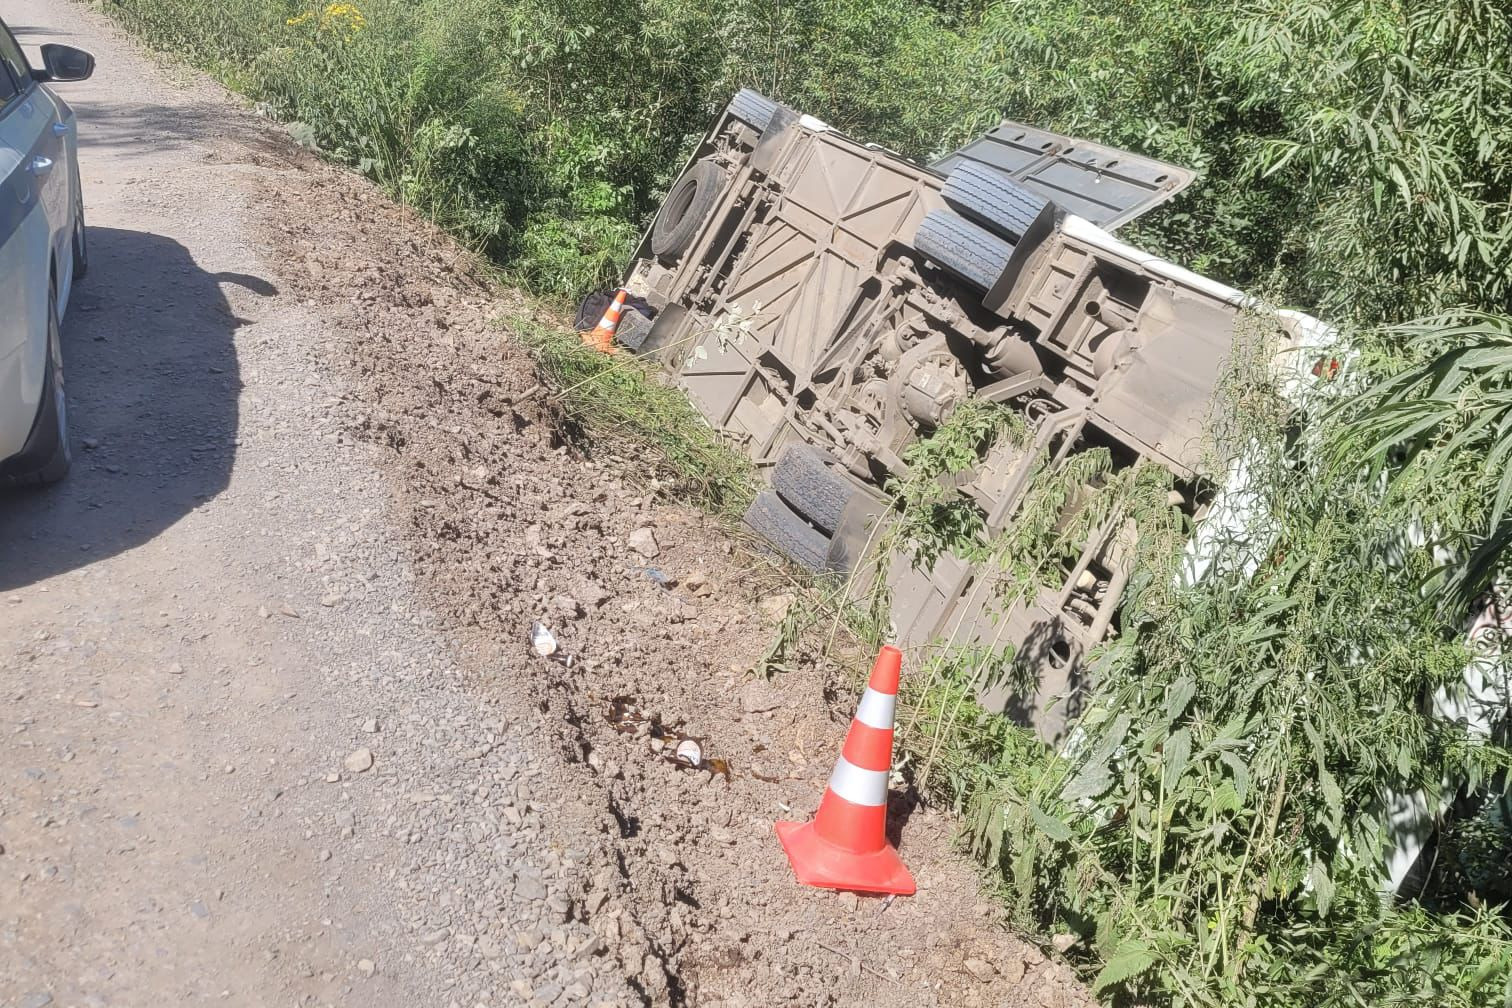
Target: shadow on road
<point x="152" y="384"/>
<point x="24" y="33"/>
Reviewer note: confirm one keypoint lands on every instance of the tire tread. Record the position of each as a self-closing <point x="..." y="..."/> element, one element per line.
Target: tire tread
<point x="770" y="517"/>
<point x="810" y="487"/>
<point x="967" y="250"/>
<point x="992" y="199"/>
<point x="752" y="107"/>
<point x="670" y="239"/>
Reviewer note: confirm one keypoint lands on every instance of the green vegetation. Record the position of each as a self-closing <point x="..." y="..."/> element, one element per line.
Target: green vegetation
<point x="621" y="404"/>
<point x="1215" y="833"/>
<point x="1356" y="155"/>
<point x="1214" y="837"/>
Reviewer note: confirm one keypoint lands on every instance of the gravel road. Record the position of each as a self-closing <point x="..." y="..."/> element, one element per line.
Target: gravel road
<point x="270" y="734"/>
<point x="229" y="726"/>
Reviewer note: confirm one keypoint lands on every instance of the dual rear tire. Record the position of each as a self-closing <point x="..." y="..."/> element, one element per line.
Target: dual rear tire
<point x="990" y="215"/>
<point x="802" y="512"/>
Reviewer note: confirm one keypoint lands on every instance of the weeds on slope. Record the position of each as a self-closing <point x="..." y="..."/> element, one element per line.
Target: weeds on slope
<point x="621" y="404"/>
<point x="1216" y="834"/>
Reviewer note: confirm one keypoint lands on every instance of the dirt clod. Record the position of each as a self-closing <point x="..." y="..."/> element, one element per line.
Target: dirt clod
<point x="759" y="696"/>
<point x="643" y="541"/>
<point x="775" y="607"/>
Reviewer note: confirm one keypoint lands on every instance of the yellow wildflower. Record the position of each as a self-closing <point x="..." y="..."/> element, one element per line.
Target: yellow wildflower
<point x="338" y="18"/>
<point x="343" y="15"/>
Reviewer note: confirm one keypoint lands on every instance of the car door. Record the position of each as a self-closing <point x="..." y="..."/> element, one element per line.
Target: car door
<point x="28" y="168"/>
<point x="50" y="122"/>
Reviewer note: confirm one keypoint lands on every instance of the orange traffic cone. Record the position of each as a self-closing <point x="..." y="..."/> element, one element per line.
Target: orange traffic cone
<point x="845" y="847"/>
<point x="602" y="336"/>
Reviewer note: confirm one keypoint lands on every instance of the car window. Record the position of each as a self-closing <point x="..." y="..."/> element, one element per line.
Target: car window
<point x="12" y="57"/>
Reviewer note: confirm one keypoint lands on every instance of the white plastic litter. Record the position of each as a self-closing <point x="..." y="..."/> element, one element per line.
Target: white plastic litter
<point x="542" y="641"/>
<point x="690" y="752"/>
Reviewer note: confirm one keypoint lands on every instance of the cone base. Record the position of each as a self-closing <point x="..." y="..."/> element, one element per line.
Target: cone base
<point x="817" y="862"/>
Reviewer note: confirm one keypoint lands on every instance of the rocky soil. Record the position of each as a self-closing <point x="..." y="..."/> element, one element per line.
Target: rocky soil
<point x="664" y="617"/>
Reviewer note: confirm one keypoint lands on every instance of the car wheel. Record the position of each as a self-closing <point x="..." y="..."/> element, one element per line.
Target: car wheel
<point x="683" y="213"/>
<point x="47" y="456"/>
<point x="80" y="242"/>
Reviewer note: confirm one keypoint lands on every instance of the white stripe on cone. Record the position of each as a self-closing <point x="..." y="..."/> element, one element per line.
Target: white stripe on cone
<point x="858" y="786"/>
<point x="876" y="710"/>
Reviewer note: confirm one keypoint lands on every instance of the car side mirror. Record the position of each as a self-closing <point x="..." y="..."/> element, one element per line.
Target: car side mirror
<point x="64" y="63"/>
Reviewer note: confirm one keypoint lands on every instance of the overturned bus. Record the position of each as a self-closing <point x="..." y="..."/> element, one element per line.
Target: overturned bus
<point x="872" y="296"/>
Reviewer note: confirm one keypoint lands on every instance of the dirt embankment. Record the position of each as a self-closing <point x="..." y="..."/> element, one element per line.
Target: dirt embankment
<point x="507" y="525"/>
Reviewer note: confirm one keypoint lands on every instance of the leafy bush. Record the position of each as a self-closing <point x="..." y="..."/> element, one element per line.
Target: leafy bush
<point x="1352" y="155"/>
<point x="1215" y="832"/>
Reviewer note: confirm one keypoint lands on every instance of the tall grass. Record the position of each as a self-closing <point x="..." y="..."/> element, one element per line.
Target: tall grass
<point x="622" y="404"/>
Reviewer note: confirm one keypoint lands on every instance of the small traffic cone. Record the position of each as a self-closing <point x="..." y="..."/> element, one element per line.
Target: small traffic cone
<point x="845" y="846"/>
<point x="602" y="336"/>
